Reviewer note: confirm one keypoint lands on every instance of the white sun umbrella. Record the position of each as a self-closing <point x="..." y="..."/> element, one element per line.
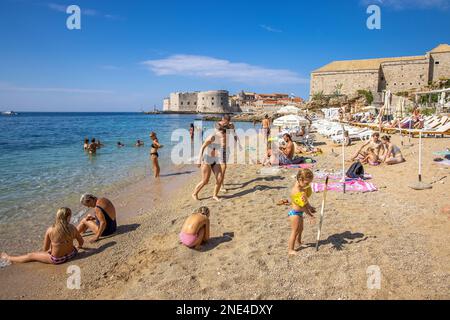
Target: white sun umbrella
<point x="290" y="121"/>
<point x="288" y="110"/>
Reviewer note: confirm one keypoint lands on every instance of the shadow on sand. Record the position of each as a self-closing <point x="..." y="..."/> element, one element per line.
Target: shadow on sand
<point x="121" y="229"/>
<point x="87" y="252"/>
<point x="216" y="241"/>
<point x="243" y="185"/>
<point x="255" y="188"/>
<point x="176" y="173"/>
<point x="338" y="240"/>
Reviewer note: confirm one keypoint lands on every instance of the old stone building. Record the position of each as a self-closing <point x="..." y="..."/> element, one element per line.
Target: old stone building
<point x="214" y="101"/>
<point x="394" y="74"/>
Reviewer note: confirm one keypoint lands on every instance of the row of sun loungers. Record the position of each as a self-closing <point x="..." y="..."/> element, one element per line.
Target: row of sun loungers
<point x="433" y="125"/>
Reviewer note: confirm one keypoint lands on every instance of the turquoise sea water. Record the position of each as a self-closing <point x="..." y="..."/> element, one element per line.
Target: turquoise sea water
<point x="42" y="161"/>
<point x="43" y="165"/>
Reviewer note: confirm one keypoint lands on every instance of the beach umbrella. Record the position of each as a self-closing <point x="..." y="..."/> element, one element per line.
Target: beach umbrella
<point x="322" y="209"/>
<point x="291" y="121"/>
<point x="420" y="185"/>
<point x="288" y="110"/>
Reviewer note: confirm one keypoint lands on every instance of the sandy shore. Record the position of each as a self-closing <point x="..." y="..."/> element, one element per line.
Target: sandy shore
<point x="396" y="228"/>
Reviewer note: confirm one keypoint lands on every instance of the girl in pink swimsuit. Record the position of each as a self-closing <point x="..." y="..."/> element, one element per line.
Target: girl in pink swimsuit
<point x="195" y="230"/>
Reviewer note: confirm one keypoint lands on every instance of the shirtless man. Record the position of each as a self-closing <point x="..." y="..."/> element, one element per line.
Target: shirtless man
<point x="288" y="150"/>
<point x="92" y="148"/>
<point x="195" y="230"/>
<point x="374" y="142"/>
<point x="227" y="125"/>
<point x="266" y="126"/>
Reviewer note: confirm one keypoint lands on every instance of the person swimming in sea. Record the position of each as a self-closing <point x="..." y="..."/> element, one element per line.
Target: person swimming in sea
<point x="86" y="144"/>
<point x="300" y="193"/>
<point x="120" y="144"/>
<point x="104" y="222"/>
<point x="139" y="143"/>
<point x="196" y="229"/>
<point x="58" y="245"/>
<point x="154" y="155"/>
<point x="92" y="148"/>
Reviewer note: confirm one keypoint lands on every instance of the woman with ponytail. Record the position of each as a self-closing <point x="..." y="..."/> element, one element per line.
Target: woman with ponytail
<point x="58" y="242"/>
<point x="393" y="154"/>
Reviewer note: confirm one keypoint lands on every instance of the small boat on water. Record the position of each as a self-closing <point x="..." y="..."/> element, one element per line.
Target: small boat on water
<point x="9" y="113"/>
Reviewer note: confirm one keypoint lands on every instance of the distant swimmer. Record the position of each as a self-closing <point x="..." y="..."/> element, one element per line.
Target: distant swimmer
<point x="196" y="229"/>
<point x="58" y="242"/>
<point x="104" y="222"/>
<point x="139" y="143"/>
<point x="120" y="144"/>
<point x="154" y="155"/>
<point x="92" y="148"/>
<point x="86" y="144"/>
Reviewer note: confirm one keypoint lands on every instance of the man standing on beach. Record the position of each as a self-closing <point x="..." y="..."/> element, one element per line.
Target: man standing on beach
<point x="227" y="125"/>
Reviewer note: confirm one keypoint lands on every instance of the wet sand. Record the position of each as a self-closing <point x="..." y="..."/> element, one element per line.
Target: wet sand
<point x="400" y="230"/>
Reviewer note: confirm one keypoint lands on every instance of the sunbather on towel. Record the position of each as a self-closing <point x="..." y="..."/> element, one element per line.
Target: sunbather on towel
<point x="371" y="158"/>
<point x="287" y="152"/>
<point x="374" y="142"/>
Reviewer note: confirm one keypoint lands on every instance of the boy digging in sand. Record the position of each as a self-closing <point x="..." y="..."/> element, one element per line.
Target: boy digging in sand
<point x="300" y="193"/>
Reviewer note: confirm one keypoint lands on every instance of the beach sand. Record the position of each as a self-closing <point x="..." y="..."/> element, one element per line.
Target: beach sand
<point x="400" y="230"/>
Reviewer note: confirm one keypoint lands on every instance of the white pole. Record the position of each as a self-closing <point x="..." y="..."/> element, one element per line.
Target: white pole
<point x="319" y="230"/>
<point x="343" y="160"/>
<point x="420" y="156"/>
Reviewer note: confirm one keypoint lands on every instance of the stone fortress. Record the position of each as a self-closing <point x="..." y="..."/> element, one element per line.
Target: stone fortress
<point x="394" y="74"/>
<point x="214" y="101"/>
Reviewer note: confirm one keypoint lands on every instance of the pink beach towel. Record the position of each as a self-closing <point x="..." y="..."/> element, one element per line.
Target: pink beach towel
<point x="298" y="166"/>
<point x="350" y="186"/>
<point x="320" y="175"/>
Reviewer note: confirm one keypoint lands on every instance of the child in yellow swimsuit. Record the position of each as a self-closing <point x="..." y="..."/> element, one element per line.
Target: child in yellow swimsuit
<point x="300" y="193"/>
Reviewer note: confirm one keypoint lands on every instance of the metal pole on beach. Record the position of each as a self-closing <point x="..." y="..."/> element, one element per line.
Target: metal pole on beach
<point x="343" y="160"/>
<point x="322" y="209"/>
<point x="420" y="185"/>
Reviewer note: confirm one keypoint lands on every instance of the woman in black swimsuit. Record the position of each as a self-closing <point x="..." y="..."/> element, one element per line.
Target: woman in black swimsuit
<point x="104" y="222"/>
<point x="154" y="154"/>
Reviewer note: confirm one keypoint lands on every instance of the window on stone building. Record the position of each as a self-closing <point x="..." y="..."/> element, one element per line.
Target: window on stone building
<point x="212" y="103"/>
<point x="437" y="62"/>
<point x="195" y="103"/>
<point x="181" y="102"/>
<point x="189" y="103"/>
<point x="212" y="98"/>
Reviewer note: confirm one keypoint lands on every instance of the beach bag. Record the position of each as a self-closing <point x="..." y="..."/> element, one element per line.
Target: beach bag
<point x="356" y="171"/>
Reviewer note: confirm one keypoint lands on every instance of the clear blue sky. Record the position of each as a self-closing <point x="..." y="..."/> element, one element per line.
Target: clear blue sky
<point x="129" y="55"/>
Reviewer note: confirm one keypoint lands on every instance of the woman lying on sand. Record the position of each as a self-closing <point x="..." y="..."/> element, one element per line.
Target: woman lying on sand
<point x="58" y="242"/>
<point x="393" y="154"/>
<point x="300" y="193"/>
<point x="104" y="222"/>
<point x="211" y="163"/>
<point x="195" y="230"/>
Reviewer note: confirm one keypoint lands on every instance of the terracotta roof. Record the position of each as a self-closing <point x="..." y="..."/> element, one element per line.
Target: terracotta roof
<point x="368" y="64"/>
<point x="441" y="48"/>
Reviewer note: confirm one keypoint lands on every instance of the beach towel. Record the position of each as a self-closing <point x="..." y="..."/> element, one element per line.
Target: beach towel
<point x="298" y="166"/>
<point x="442" y="153"/>
<point x="321" y="175"/>
<point x="445" y="162"/>
<point x="350" y="186"/>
